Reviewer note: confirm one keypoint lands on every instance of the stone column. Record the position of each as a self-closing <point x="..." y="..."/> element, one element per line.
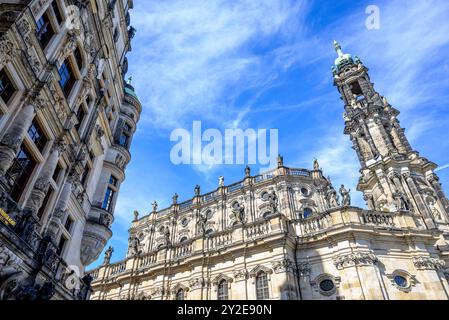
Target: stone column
<point x="60" y="210"/>
<point x="419" y="201"/>
<point x="40" y="189"/>
<point x="11" y="141"/>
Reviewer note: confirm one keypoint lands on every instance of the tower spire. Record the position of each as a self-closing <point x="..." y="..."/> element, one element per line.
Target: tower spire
<point x="337" y="47"/>
<point x="394" y="176"/>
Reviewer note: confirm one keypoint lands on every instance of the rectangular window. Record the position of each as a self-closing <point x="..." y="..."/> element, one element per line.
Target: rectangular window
<point x="37" y="136"/>
<point x="43" y="208"/>
<point x="44" y="31"/>
<point x="68" y="80"/>
<point x="56" y="173"/>
<point x="61" y="245"/>
<point x="68" y="224"/>
<point x="123" y="140"/>
<point x="58" y="15"/>
<point x="262" y="292"/>
<point x="80" y="114"/>
<point x="20" y="173"/>
<point x="107" y="202"/>
<point x="7" y="89"/>
<point x="78" y="58"/>
<point x="113" y="181"/>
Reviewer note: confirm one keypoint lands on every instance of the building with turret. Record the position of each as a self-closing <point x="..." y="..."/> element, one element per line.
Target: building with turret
<point x="290" y="234"/>
<point x="67" y="118"/>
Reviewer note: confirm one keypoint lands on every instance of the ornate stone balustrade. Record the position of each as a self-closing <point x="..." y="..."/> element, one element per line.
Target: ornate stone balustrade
<point x="257" y="229"/>
<point x="148" y="259"/>
<point x="378" y="219"/>
<point x="182" y="250"/>
<point x="219" y="241"/>
<point x="314" y="224"/>
<point x="117" y="268"/>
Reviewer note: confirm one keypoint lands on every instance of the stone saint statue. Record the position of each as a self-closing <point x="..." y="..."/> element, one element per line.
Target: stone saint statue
<point x="108" y="255"/>
<point x="273" y="201"/>
<point x="280" y="161"/>
<point x="167" y="235"/>
<point x="175" y="198"/>
<point x="135" y="244"/>
<point x="136" y="215"/>
<point x="316" y="165"/>
<point x="197" y="190"/>
<point x="332" y="197"/>
<point x="247" y="172"/>
<point x="202" y="219"/>
<point x="239" y="212"/>
<point x="221" y="181"/>
<point x="346" y="197"/>
<point x="154" y="204"/>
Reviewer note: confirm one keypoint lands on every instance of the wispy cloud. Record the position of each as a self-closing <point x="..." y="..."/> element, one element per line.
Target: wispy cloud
<point x="195" y="56"/>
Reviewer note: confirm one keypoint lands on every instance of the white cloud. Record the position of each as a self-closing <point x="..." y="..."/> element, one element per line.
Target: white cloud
<point x="198" y="55"/>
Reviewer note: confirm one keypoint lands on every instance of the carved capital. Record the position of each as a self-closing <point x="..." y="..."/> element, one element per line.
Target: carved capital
<point x="354" y="259"/>
<point x="427" y="263"/>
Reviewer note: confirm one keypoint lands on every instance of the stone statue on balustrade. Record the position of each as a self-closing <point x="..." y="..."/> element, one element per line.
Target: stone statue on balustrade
<point x="108" y="255"/>
<point x="135" y="246"/>
<point x="316" y="165"/>
<point x="202" y="220"/>
<point x="239" y="212"/>
<point x="401" y="201"/>
<point x="332" y="197"/>
<point x="346" y="196"/>
<point x="273" y="202"/>
<point x="221" y="181"/>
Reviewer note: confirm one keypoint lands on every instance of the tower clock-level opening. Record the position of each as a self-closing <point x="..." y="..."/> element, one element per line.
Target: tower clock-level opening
<point x="356" y="89"/>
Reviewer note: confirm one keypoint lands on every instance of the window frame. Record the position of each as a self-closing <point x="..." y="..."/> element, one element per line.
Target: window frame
<point x="262" y="293"/>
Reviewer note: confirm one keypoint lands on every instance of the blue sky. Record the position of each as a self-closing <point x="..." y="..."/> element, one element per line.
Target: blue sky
<point x="267" y="64"/>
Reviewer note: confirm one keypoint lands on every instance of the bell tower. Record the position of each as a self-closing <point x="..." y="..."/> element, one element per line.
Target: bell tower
<point x="394" y="177"/>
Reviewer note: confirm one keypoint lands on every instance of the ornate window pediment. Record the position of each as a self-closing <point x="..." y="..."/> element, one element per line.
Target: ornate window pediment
<point x="178" y="287"/>
<point x="221" y="277"/>
<point x="260" y="268"/>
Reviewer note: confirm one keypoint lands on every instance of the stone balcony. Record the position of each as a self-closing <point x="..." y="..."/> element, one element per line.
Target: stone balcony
<point x="338" y="220"/>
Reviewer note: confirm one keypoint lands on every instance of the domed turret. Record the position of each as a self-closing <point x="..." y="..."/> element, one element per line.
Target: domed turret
<point x="343" y="59"/>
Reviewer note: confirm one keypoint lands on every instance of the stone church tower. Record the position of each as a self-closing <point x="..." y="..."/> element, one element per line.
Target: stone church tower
<point x="394" y="177"/>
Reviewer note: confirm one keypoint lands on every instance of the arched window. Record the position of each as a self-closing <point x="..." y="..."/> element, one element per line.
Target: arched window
<point x="180" y="294"/>
<point x="262" y="292"/>
<point x="223" y="290"/>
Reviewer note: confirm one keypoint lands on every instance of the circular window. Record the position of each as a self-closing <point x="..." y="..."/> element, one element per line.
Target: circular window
<point x="265" y="196"/>
<point x="209" y="232"/>
<point x="401" y="281"/>
<point x="162" y="229"/>
<point x="305" y="191"/>
<point x="183" y="239"/>
<point x="327" y="285"/>
<point x="307" y="213"/>
<point x="184" y="222"/>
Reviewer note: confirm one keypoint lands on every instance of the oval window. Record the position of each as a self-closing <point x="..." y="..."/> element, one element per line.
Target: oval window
<point x="327" y="285"/>
<point x="401" y="281"/>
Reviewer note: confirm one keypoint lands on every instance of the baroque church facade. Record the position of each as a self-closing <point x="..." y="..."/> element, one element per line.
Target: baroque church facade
<point x="67" y="118"/>
<point x="290" y="234"/>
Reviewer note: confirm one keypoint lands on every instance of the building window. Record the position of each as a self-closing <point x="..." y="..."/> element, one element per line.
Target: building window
<point x="113" y="181"/>
<point x="68" y="224"/>
<point x="44" y="31"/>
<point x="262" y="292"/>
<point x="57" y="12"/>
<point x="124" y="139"/>
<point x="61" y="245"/>
<point x="56" y="173"/>
<point x="37" y="136"/>
<point x="401" y="281"/>
<point x="68" y="79"/>
<point x="183" y="239"/>
<point x="180" y="294"/>
<point x="7" y="89"/>
<point x="78" y="58"/>
<point x="80" y="114"/>
<point x="107" y="202"/>
<point x="85" y="176"/>
<point x="20" y="173"/>
<point x="44" y="205"/>
<point x="307" y="213"/>
<point x="223" y="290"/>
<point x="327" y="285"/>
